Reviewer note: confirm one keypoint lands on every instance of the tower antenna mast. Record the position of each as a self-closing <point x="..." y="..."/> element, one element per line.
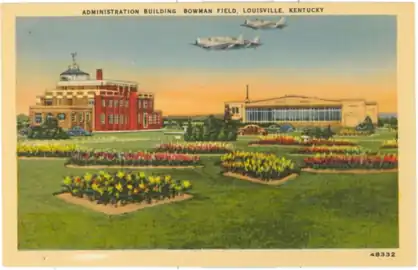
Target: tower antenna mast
<point x="73" y="55"/>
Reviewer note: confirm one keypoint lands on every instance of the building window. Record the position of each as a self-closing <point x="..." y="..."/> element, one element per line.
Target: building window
<point x="110" y="118"/>
<point x="145" y="120"/>
<point x="102" y="118"/>
<point x="91" y="101"/>
<point x="154" y="118"/>
<point x="81" y="117"/>
<point x="116" y="119"/>
<point x="88" y="117"/>
<point x="139" y="118"/>
<point x="121" y="119"/>
<point x="126" y="103"/>
<point x="73" y="117"/>
<point x="139" y="103"/>
<point x="145" y="104"/>
<point x="38" y="118"/>
<point x="48" y="102"/>
<point x="122" y="103"/>
<point x="116" y="103"/>
<point x="49" y="116"/>
<point x="150" y="104"/>
<point x="61" y="116"/>
<point x="110" y="103"/>
<point x="158" y="119"/>
<point x="293" y="114"/>
<point x="103" y="103"/>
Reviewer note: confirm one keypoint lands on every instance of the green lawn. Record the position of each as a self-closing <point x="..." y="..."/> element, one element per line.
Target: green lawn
<point x="312" y="211"/>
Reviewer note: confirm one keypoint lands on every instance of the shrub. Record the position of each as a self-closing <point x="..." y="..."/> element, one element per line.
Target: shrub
<point x="213" y="129"/>
<point x="50" y="129"/>
<point x="319" y="133"/>
<point x="195" y="147"/>
<point x="124" y="187"/>
<point x="366" y="125"/>
<point x="112" y="158"/>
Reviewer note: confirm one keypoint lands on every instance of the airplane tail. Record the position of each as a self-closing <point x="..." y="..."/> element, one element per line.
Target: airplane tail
<point x="281" y="21"/>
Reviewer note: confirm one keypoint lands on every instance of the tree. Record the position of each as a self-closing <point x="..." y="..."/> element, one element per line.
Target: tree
<point x="222" y="135"/>
<point x="393" y="121"/>
<point x="22" y="121"/>
<point x="189" y="131"/>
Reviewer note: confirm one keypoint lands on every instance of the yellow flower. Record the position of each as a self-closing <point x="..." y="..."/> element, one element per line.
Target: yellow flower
<point x="151" y="180"/>
<point x="67" y="181"/>
<point x="157" y="180"/>
<point x="118" y="186"/>
<point x="88" y="177"/>
<point x="120" y="174"/>
<point x="186" y="184"/>
<point x="167" y="178"/>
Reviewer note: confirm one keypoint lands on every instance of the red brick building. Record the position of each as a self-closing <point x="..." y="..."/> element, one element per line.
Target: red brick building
<point x="96" y="104"/>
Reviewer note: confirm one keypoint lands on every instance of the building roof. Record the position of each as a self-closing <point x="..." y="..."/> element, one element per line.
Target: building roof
<point x="300" y="97"/>
<point x="95" y="83"/>
<point x="74" y="71"/>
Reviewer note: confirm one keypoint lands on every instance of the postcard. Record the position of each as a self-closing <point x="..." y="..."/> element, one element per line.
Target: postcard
<point x="209" y="134"/>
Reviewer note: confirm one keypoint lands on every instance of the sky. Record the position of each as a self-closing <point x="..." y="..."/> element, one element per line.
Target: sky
<point x="322" y="56"/>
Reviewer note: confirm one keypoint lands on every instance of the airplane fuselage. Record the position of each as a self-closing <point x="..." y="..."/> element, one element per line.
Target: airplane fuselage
<point x="264" y="25"/>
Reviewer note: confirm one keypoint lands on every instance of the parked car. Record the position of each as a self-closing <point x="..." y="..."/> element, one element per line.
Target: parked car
<point x="273" y="129"/>
<point x="78" y="131"/>
<point x="286" y="128"/>
<point x="252" y="130"/>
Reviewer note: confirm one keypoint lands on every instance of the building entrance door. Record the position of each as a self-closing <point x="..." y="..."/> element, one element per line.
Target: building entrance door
<point x="145" y="122"/>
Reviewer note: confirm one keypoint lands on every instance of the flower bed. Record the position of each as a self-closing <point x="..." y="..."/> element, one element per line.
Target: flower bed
<point x="352" y="162"/>
<point x="353" y="132"/>
<point x="132" y="159"/>
<point x="390" y="144"/>
<point x="261" y="166"/>
<point x="291" y="140"/>
<point x="195" y="148"/>
<point x="46" y="150"/>
<point x="122" y="188"/>
<point x="350" y="150"/>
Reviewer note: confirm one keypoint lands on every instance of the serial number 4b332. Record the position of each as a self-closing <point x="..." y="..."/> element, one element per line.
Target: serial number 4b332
<point x="383" y="254"/>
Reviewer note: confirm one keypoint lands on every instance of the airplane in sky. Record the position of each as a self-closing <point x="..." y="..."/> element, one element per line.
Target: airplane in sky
<point x="226" y="43"/>
<point x="263" y="24"/>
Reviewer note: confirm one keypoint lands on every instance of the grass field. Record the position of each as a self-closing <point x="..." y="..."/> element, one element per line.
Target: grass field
<point x="312" y="211"/>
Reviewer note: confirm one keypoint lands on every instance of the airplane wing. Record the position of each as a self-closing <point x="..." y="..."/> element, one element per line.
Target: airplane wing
<point x="269" y="24"/>
<point x="220" y="46"/>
